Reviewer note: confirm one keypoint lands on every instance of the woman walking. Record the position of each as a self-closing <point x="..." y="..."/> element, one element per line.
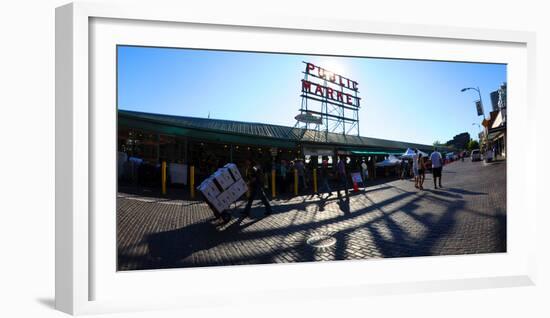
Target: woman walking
<point x="421" y="170"/>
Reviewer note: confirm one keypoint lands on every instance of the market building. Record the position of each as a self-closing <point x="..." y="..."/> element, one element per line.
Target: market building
<point x="207" y="144"/>
<point x="494" y="138"/>
<point x="496" y="135"/>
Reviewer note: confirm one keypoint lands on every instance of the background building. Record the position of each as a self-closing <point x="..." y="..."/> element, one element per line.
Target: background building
<point x="460" y="141"/>
<point x="495" y="125"/>
<point x="494" y="100"/>
<point x="502" y="100"/>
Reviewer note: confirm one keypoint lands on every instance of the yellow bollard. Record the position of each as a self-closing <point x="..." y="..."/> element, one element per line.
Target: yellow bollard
<point x="273" y="183"/>
<point x="192" y="181"/>
<point x="295" y="182"/>
<point x="163" y="177"/>
<point x="314" y="180"/>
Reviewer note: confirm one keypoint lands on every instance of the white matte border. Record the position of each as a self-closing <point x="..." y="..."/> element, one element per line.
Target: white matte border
<point x="109" y="285"/>
<point x="365" y="277"/>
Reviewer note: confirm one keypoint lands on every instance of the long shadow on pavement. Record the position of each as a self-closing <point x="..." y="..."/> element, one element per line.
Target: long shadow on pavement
<point x="190" y="245"/>
<point x="465" y="192"/>
<point x="176" y="248"/>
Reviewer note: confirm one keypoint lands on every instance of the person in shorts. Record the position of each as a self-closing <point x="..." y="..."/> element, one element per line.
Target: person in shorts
<point x="421" y="171"/>
<point x="437" y="167"/>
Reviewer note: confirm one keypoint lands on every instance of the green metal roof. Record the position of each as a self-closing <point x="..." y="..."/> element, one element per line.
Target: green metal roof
<point x="249" y="132"/>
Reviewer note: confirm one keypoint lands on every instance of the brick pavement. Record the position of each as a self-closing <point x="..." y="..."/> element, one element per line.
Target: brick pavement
<point x="391" y="219"/>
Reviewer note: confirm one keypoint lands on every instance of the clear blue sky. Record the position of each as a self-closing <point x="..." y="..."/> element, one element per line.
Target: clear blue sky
<point x="405" y="100"/>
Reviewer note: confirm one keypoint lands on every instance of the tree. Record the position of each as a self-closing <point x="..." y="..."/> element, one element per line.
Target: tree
<point x="472" y="144"/>
<point x="437" y="143"/>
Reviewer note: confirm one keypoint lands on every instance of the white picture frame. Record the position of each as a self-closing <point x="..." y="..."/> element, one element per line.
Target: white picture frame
<point x="79" y="149"/>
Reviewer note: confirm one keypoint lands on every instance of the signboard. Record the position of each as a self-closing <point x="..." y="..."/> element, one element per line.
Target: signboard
<point x="356" y="177"/>
<point x="343" y="91"/>
<point x="329" y="100"/>
<point x="343" y="152"/>
<point x="479" y="107"/>
<point x="309" y="118"/>
<point x="309" y="151"/>
<point x="320" y="72"/>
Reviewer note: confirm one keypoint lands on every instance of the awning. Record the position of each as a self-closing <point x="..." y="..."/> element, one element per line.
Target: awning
<point x="376" y="152"/>
<point x="495" y="133"/>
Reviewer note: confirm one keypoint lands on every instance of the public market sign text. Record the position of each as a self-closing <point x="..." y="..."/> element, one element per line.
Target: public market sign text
<point x="329" y="86"/>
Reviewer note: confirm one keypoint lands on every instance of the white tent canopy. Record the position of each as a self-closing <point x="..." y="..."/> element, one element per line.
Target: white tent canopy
<point x="391" y="161"/>
<point x="410" y="153"/>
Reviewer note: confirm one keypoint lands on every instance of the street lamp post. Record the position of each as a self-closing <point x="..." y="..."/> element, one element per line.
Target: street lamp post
<point x="479" y="93"/>
<point x="479" y="132"/>
<point x="478" y="125"/>
<point x="480" y="102"/>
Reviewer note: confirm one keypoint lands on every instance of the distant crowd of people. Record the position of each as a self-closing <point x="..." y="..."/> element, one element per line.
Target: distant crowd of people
<point x="255" y="175"/>
<point x="284" y="171"/>
<point x="331" y="176"/>
<point x="327" y="174"/>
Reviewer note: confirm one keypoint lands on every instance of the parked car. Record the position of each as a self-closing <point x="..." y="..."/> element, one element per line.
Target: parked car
<point x="476" y="155"/>
<point x="451" y="156"/>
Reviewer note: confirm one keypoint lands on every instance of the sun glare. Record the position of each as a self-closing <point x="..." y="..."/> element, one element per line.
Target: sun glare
<point x="334" y="66"/>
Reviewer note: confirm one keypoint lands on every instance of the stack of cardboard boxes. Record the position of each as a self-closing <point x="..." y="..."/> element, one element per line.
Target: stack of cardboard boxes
<point x="223" y="187"/>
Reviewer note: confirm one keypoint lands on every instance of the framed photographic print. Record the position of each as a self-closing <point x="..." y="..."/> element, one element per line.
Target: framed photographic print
<point x="200" y="159"/>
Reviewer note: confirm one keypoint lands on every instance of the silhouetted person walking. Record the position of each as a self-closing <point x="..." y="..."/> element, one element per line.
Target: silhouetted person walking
<point x="342" y="177"/>
<point x="324" y="178"/>
<point x="255" y="184"/>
